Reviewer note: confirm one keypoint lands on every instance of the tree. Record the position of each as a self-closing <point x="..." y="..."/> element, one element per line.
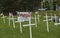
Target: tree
<point x="20" y="5"/>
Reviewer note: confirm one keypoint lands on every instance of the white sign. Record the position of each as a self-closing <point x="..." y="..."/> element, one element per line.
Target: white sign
<point x="23" y="16"/>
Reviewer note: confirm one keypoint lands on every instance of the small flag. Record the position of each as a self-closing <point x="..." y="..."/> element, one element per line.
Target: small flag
<point x="1" y="14"/>
<point x="10" y="14"/>
<point x="36" y="12"/>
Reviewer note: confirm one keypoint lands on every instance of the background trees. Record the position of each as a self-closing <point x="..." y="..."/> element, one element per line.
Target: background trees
<point x="25" y="5"/>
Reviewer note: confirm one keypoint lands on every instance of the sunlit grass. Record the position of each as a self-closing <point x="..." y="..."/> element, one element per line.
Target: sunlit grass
<point x="7" y="31"/>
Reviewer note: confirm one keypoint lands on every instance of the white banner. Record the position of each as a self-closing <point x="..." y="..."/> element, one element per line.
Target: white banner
<point x="24" y="16"/>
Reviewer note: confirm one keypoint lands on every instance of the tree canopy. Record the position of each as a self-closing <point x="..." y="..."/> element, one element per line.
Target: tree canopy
<point x="22" y="5"/>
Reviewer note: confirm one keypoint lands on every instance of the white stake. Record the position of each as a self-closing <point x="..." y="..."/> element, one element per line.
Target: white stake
<point x="9" y="20"/>
<point x="35" y="20"/>
<point x="3" y="18"/>
<point x="13" y="22"/>
<point x="47" y="23"/>
<point x="38" y="18"/>
<point x="30" y="28"/>
<point x="55" y="18"/>
<point x="20" y="27"/>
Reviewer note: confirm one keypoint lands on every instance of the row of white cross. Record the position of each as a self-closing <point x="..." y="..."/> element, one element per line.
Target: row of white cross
<point x="26" y="16"/>
<point x="51" y="19"/>
<point x="22" y="16"/>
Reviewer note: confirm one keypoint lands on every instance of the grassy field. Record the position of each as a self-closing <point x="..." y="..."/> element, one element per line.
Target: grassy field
<point x="7" y="31"/>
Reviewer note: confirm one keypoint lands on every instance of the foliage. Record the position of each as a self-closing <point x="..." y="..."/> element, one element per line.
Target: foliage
<point x="22" y="5"/>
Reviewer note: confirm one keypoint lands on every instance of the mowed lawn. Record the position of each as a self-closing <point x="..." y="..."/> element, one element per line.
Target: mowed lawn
<point x="40" y="31"/>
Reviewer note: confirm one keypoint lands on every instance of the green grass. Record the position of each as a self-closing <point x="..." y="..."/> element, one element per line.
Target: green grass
<point x="7" y="31"/>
